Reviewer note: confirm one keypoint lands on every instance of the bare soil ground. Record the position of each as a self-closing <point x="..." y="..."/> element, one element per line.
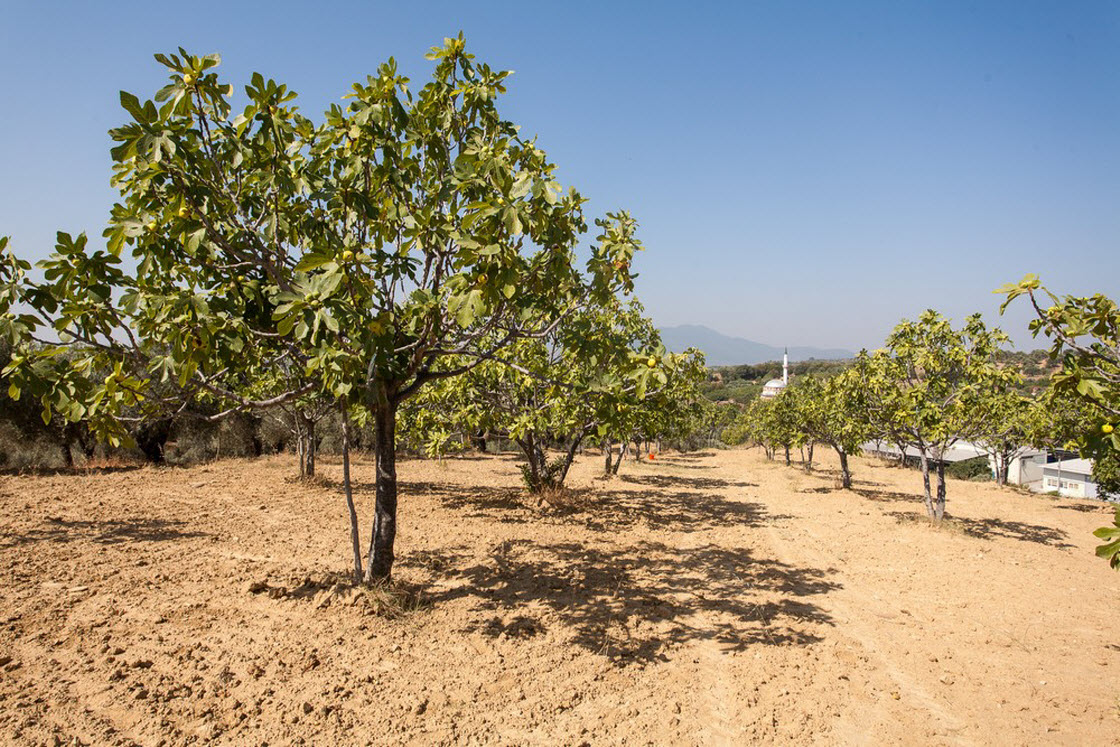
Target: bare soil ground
<point x="709" y="598"/>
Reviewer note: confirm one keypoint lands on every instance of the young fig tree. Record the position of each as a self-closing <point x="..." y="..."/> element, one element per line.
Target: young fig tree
<point x="407" y="227"/>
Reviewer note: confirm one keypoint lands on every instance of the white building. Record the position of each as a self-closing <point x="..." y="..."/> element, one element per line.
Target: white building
<point x="1025" y="468"/>
<point x="774" y="387"/>
<point x="958" y="452"/>
<point x="1072" y="478"/>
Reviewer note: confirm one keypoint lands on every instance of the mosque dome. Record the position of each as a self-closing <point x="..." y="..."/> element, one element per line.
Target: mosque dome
<point x="774" y="387"/>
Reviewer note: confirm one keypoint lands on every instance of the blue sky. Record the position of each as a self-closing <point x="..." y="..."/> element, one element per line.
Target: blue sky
<point x="805" y="173"/>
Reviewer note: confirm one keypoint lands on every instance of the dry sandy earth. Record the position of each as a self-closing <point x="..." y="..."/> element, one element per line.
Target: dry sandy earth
<point x="700" y="599"/>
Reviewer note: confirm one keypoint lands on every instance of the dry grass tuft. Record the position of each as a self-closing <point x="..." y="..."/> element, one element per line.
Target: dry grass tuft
<point x="392" y="601"/>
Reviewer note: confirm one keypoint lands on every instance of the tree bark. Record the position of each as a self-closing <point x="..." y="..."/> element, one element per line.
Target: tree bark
<point x="534" y="456"/>
<point x="939" y="507"/>
<point x="355" y="534"/>
<point x="380" y="563"/>
<point x="925" y="481"/>
<point x="309" y="432"/>
<point x="845" y="472"/>
<point x="301" y="446"/>
<point x="569" y="457"/>
<point x="618" y="462"/>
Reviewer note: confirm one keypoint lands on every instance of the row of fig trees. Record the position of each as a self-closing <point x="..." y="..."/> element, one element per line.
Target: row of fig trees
<point x="929" y="387"/>
<point x="259" y="259"/>
<point x="601" y="375"/>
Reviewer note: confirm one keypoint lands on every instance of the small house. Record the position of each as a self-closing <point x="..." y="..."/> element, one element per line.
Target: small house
<point x="1072" y="478"/>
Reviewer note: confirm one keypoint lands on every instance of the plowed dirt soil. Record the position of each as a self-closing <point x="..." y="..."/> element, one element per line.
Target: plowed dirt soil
<point x="710" y="598"/>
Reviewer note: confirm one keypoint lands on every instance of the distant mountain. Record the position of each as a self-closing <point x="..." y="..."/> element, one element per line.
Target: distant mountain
<point x="722" y="350"/>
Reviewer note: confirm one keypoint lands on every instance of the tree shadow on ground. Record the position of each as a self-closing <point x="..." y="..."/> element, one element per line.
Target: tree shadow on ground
<point x="694" y="483"/>
<point x="76" y="471"/>
<point x="628" y="603"/>
<point x="108" y="532"/>
<point x="993" y="528"/>
<point x="690" y="458"/>
<point x="1016" y="530"/>
<point x="887" y="496"/>
<point x="1103" y="508"/>
<point x="608" y="507"/>
<point x="616" y="508"/>
<point x="507" y="505"/>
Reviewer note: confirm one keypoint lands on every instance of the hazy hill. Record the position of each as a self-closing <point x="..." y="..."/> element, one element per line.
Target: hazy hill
<point x="731" y="351"/>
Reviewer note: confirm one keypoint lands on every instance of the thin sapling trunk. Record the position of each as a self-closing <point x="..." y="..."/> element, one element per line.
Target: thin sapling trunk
<point x="355" y="537"/>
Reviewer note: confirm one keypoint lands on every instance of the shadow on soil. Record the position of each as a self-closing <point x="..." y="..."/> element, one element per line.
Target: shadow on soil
<point x="888" y="496"/>
<point x="1102" y="508"/>
<point x="681" y="504"/>
<point x="629" y="603"/>
<point x="1016" y="530"/>
<point x="675" y="481"/>
<point x="993" y="528"/>
<point x="109" y="532"/>
<point x="77" y="471"/>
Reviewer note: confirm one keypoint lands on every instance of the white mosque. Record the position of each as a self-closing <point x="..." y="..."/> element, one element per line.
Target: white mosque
<point x="774" y="387"/>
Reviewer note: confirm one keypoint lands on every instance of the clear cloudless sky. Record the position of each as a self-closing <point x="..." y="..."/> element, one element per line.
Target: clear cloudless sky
<point x="805" y="173"/>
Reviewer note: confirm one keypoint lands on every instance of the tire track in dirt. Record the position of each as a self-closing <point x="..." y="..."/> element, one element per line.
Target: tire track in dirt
<point x="856" y="630"/>
<point x="715" y="716"/>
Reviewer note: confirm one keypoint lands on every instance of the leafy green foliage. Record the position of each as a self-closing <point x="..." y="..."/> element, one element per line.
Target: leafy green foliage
<point x="281" y="261"/>
<point x="924" y="389"/>
<point x="1110" y="550"/>
<point x="601" y="371"/>
<point x="1085" y="334"/>
<point x="834" y="412"/>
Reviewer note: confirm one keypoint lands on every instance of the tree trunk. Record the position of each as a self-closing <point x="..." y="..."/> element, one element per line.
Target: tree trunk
<point x="617" y="462"/>
<point x="569" y="457"/>
<point x="311" y="448"/>
<point x="939" y="507"/>
<point x="925" y="481"/>
<point x="1003" y="463"/>
<point x="606" y="458"/>
<point x="809" y="463"/>
<point x="380" y="563"/>
<point x="787" y="456"/>
<point x="845" y="472"/>
<point x="301" y="446"/>
<point x="355" y="536"/>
